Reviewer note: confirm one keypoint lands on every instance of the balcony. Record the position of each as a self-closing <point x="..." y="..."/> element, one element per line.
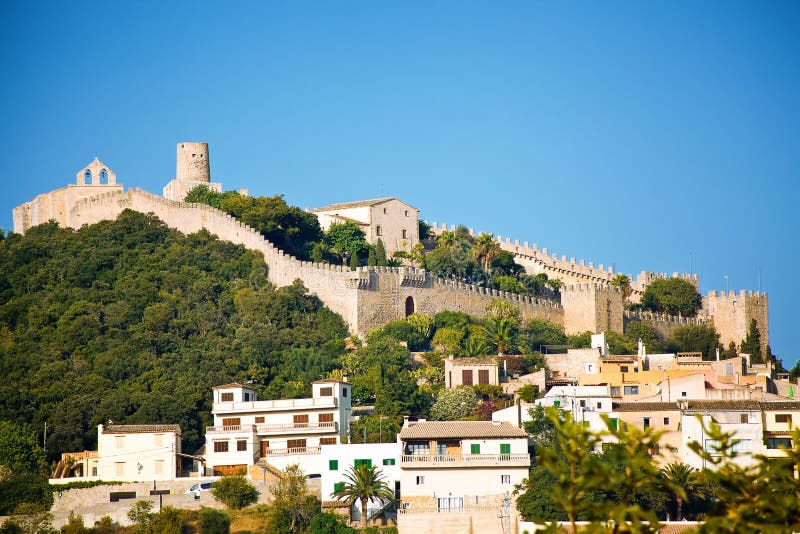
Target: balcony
<point x="287" y="428"/>
<point x="290" y="451"/>
<point x="278" y="405"/>
<point x="411" y="461"/>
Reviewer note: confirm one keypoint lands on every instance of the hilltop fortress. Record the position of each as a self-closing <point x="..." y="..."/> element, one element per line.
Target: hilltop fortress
<point x="372" y="296"/>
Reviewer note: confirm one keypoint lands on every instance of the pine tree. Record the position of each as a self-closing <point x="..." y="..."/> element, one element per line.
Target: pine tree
<point x="731" y="352"/>
<point x="372" y="260"/>
<point x="380" y="253"/>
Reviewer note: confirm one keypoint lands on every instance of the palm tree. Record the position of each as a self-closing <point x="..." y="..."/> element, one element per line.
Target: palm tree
<point x="682" y="480"/>
<point x="623" y="282"/>
<point x="502" y="334"/>
<point x="363" y="483"/>
<point x="486" y="251"/>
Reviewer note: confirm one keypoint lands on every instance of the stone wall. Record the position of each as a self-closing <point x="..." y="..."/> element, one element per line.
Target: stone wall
<point x="593" y="307"/>
<point x="663" y="323"/>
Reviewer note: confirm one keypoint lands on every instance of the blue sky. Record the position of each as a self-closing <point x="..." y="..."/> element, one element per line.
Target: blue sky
<point x="647" y="135"/>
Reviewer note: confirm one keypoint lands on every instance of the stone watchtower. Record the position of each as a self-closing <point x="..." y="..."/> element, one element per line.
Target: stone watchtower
<point x="192" y="168"/>
<point x="732" y="313"/>
<point x="592" y="307"/>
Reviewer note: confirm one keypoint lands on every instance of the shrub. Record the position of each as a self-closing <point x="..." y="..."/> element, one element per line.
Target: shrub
<point x="74" y="525"/>
<point x="235" y="492"/>
<point x="169" y="520"/>
<point x="528" y="393"/>
<point x="329" y="523"/>
<point x="214" y="521"/>
<point x="22" y="488"/>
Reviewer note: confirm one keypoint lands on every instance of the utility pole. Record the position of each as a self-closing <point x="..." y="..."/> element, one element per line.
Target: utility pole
<point x="44" y="440"/>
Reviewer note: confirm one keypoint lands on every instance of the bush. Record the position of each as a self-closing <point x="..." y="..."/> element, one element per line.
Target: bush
<point x="169" y="520"/>
<point x="528" y="393"/>
<point x="214" y="521"/>
<point x="22" y="488"/>
<point x="74" y="525"/>
<point x="104" y="525"/>
<point x="330" y="523"/>
<point x="235" y="492"/>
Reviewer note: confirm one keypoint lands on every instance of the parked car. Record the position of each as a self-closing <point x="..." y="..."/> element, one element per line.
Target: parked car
<point x="203" y="486"/>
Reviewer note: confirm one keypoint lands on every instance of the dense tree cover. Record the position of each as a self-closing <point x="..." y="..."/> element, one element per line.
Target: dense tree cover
<point x="287" y="227"/>
<point x="571" y="481"/>
<point x="130" y="321"/>
<point x="673" y="296"/>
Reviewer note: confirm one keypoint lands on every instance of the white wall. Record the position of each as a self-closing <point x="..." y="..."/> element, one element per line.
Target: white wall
<point x="133" y="450"/>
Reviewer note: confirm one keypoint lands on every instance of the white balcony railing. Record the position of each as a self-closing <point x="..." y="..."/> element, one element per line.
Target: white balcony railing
<point x="286" y="428"/>
<point x="292" y="450"/>
<point x="457" y="460"/>
<point x="276" y="405"/>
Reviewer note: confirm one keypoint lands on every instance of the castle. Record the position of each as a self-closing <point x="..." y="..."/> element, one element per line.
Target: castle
<point x="372" y="296"/>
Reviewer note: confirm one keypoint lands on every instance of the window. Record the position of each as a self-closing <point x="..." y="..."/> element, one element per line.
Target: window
<point x="441" y="448"/>
<point x="743" y="445"/>
<point x="94" y="471"/>
<point x="344" y="393"/>
<point x="631" y="390"/>
<point x="406" y="213"/>
<point x="301" y="420"/>
<point x="583" y="403"/>
<point x="103" y="176"/>
<point x="158" y="467"/>
<point x="475" y="448"/>
<point x="774" y="443"/>
<point x="220" y="446"/>
<point x="466" y="377"/>
<point x="646" y="422"/>
<point x="326" y="418"/>
<point x="338" y="486"/>
<point x="384" y="210"/>
<point x="259" y="420"/>
<point x="418" y="449"/>
<point x="327" y="441"/>
<point x="119" y="467"/>
<point x="743" y="418"/>
<point x="615" y="392"/>
<point x="226" y="397"/>
<point x="388" y="461"/>
<point x="505" y="479"/>
<point x="712" y="446"/>
<point x="119" y="442"/>
<point x="556" y="403"/>
<point x="296" y="443"/>
<point x="405" y="233"/>
<point x="333" y="465"/>
<point x="599" y="405"/>
<point x="590" y="368"/>
<point x="623" y="368"/>
<point x="783" y="418"/>
<point x="264" y="447"/>
<point x="483" y="376"/>
<point x="666" y="421"/>
<point x="378" y="231"/>
<point x="450" y="504"/>
<point x="326" y="392"/>
<point x="248" y="396"/>
<point x="232" y="421"/>
<point x="729" y="369"/>
<point x="613" y="423"/>
<point x="420" y="480"/>
<point x="683" y="393"/>
<point x="359" y="462"/>
<point x="241" y="445"/>
<point x="505" y="448"/>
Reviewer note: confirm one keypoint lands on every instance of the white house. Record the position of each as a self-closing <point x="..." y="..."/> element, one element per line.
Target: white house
<point x="449" y="465"/>
<point x="247" y="430"/>
<point x="138" y="452"/>
<point x="388" y="219"/>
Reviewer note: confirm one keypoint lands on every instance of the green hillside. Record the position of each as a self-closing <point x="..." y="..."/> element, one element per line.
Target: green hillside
<point x="131" y="321"/>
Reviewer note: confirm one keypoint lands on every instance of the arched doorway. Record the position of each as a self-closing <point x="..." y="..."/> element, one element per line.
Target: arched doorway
<point x="409" y="306"/>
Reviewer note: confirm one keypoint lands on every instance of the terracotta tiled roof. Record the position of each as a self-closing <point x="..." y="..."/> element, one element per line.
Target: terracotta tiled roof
<point x="140" y="429"/>
<point x="618" y="358"/>
<point x="473" y="361"/>
<point x="234" y="385"/>
<point x="357" y="204"/>
<point x="349" y="219"/>
<point x="713" y="405"/>
<point x="461" y="429"/>
<point x="645" y="406"/>
<point x="329" y="381"/>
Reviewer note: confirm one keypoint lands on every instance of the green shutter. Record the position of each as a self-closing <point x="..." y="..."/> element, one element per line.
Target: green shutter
<point x="475" y="448"/>
<point x="613" y="422"/>
<point x="388" y="461"/>
<point x="557" y="403"/>
<point x="505" y="448"/>
<point x="333" y="465"/>
<point x="359" y="462"/>
<point x="338" y="486"/>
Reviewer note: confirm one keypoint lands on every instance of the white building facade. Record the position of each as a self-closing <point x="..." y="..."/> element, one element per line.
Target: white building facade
<point x="138" y="452"/>
<point x="247" y="431"/>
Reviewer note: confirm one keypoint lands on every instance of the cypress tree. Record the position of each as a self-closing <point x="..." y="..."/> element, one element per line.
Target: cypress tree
<point x="372" y="260"/>
<point x="353" y="262"/>
<point x="380" y="253"/>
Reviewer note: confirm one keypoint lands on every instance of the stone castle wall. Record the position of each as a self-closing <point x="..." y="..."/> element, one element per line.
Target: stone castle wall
<point x="732" y="313"/>
<point x="663" y="323"/>
<point x="594" y="307"/>
<point x="366" y="298"/>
